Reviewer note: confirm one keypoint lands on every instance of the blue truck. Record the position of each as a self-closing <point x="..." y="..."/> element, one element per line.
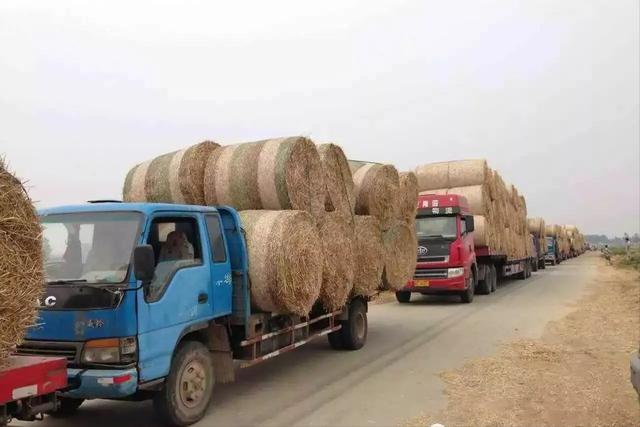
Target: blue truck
<point x="152" y="301"/>
<point x="553" y="251"/>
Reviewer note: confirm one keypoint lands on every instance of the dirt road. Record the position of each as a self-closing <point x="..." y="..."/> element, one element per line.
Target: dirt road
<point x="395" y="378"/>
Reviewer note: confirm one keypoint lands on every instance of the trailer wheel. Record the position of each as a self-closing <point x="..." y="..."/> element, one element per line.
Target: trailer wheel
<point x="403" y="296"/>
<point x="542" y="265"/>
<point x="527" y="270"/>
<point x="187" y="391"/>
<point x="534" y="265"/>
<point x="67" y="406"/>
<point x="467" y="296"/>
<point x="354" y="329"/>
<point x="484" y="286"/>
<point x="494" y="277"/>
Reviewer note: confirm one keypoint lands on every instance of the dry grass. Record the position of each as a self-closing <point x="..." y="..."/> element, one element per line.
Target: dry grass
<point x="376" y="191"/>
<point x="577" y="374"/>
<point x="21" y="270"/>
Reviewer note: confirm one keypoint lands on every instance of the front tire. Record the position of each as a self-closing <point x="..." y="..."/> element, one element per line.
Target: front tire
<point x="187" y="391"/>
<point x="403" y="296"/>
<point x="467" y="296"/>
<point x="67" y="406"/>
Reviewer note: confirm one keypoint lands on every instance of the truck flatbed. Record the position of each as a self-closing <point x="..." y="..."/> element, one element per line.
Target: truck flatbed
<point x="28" y="386"/>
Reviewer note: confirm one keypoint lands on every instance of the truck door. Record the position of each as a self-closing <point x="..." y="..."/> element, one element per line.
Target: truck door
<point x="220" y="266"/>
<point x="467" y="243"/>
<point x="179" y="295"/>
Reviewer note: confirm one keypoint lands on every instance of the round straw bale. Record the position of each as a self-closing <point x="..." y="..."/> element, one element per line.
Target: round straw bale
<point x="477" y="196"/>
<point x="175" y="177"/>
<point x="370" y="255"/>
<point x="481" y="233"/>
<point x="376" y="192"/>
<point x="463" y="173"/>
<point x="433" y="176"/>
<point x="400" y="247"/>
<point x="340" y="196"/>
<point x="337" y="238"/>
<point x="21" y="269"/>
<point x="408" y="196"/>
<point x="285" y="260"/>
<point x="276" y="174"/>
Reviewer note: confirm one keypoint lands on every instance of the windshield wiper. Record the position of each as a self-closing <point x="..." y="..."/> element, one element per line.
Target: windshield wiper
<point x="66" y="281"/>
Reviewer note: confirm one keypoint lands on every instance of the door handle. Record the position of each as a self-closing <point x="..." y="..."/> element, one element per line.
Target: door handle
<point x="203" y="298"/>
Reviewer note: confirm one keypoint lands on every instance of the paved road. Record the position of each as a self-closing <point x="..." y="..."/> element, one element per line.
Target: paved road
<point x="394" y="377"/>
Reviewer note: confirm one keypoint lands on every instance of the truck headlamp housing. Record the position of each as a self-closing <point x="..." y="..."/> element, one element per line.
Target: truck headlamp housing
<point x="455" y="272"/>
<point x="110" y="350"/>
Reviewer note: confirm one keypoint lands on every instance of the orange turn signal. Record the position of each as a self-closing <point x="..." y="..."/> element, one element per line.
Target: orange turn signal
<point x="109" y="342"/>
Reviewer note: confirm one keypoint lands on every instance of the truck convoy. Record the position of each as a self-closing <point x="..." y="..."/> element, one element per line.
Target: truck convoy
<point x="449" y="262"/>
<point x="168" y="324"/>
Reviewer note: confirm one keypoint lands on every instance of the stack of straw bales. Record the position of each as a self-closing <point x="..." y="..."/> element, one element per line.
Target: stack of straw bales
<point x="313" y="235"/>
<point x="500" y="211"/>
<point x="21" y="269"/>
<point x="537" y="227"/>
<point x="391" y="198"/>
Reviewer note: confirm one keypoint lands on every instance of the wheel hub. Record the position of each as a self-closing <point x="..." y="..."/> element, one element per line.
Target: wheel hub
<point x="193" y="384"/>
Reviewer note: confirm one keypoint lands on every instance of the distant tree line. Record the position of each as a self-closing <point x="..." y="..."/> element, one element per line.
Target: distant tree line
<point x="596" y="239"/>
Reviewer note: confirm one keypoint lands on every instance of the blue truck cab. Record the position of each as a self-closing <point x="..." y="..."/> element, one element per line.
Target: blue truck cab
<point x="148" y="300"/>
<point x="553" y="251"/>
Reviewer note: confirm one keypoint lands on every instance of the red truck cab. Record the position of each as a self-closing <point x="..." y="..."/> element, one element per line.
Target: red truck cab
<point x="446" y="259"/>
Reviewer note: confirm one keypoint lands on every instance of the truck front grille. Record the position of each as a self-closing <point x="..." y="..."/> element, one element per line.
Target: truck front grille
<point x="430" y="273"/>
<point x="69" y="350"/>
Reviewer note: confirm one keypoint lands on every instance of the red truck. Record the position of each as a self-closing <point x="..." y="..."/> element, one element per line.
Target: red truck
<point x="29" y="386"/>
<point x="448" y="261"/>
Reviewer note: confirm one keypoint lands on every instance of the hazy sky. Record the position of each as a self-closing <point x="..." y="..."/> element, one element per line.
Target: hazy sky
<point x="547" y="91"/>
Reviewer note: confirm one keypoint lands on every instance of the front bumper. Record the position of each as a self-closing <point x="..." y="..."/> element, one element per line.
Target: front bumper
<point x="438" y="286"/>
<point x="102" y="383"/>
<point x="635" y="371"/>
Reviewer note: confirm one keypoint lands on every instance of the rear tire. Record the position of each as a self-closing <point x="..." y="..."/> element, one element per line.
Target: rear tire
<point x="494" y="278"/>
<point x="484" y="286"/>
<point x="403" y="296"/>
<point x="543" y="265"/>
<point x="354" y="329"/>
<point x="335" y="340"/>
<point x="187" y="392"/>
<point x="534" y="265"/>
<point x="67" y="406"/>
<point x="467" y="296"/>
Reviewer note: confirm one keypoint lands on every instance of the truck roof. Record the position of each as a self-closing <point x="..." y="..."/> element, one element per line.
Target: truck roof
<point x="428" y="201"/>
<point x="145" y="208"/>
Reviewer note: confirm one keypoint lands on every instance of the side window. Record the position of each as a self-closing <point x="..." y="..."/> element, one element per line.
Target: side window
<point x="176" y="244"/>
<point x="463" y="226"/>
<point x="215" y="238"/>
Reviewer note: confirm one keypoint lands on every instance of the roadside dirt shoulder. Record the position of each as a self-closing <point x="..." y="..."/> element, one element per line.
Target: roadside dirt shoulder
<point x="577" y="373"/>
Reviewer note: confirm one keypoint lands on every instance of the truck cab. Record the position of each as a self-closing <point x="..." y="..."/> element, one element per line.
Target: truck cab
<point x="553" y="252"/>
<point x="446" y="258"/>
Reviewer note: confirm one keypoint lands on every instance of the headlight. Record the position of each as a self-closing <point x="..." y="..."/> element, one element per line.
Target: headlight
<point x="110" y="350"/>
<point x="455" y="272"/>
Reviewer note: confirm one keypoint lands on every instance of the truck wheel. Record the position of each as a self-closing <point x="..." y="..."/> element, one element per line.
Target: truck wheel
<point x="335" y="340"/>
<point x="534" y="265"/>
<point x="403" y="296"/>
<point x="527" y="270"/>
<point x="543" y="265"/>
<point x="354" y="329"/>
<point x="187" y="391"/>
<point x="467" y="296"/>
<point x="67" y="406"/>
<point x="494" y="278"/>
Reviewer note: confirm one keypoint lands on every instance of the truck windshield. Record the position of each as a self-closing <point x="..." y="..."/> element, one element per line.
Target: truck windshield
<point x="91" y="247"/>
<point x="436" y="226"/>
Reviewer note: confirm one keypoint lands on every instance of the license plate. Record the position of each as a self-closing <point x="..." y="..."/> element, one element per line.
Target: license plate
<point x="421" y="283"/>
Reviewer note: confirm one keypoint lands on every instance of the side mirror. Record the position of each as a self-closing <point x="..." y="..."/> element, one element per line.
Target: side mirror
<point x="470" y="225"/>
<point x="144" y="263"/>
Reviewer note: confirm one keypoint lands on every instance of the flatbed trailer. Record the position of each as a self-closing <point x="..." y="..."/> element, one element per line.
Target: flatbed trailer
<point x="29" y="386"/>
<point x="505" y="268"/>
